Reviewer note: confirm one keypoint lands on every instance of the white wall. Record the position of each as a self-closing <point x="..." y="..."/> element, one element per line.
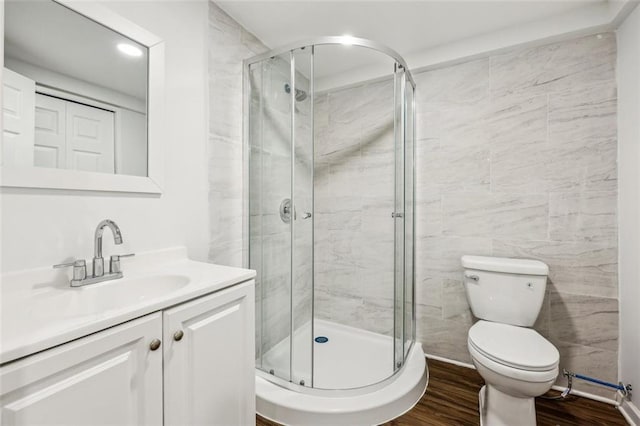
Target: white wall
<point x="43" y="227"/>
<point x="629" y="196"/>
<point x="131" y="143"/>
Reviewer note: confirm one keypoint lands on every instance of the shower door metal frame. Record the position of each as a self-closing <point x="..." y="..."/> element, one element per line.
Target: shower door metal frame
<point x="311" y="43"/>
<point x="342" y="40"/>
<point x="293" y="100"/>
<point x="400" y="136"/>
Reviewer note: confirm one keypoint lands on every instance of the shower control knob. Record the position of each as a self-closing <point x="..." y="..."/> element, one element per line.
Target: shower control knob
<point x="307" y="215"/>
<point x="178" y="335"/>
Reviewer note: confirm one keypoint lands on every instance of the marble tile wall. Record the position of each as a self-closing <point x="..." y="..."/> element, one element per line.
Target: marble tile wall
<point x="229" y="44"/>
<point x="517" y="158"/>
<point x="354" y="198"/>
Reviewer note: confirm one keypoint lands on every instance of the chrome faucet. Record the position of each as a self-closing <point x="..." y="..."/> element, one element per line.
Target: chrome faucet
<point x="80" y="266"/>
<point x="98" y="261"/>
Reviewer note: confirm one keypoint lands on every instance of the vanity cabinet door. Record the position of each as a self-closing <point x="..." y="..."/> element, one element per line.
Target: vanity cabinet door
<point x="209" y="359"/>
<point x="108" y="378"/>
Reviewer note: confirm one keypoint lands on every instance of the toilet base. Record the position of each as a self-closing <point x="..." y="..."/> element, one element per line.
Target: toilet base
<point x="499" y="409"/>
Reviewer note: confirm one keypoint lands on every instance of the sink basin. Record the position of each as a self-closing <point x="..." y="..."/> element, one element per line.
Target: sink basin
<point x="110" y="295"/>
<point x="138" y="288"/>
<point x="98" y="299"/>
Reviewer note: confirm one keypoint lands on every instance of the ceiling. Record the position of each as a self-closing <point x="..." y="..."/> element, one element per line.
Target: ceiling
<point x="409" y="27"/>
<point x="50" y="36"/>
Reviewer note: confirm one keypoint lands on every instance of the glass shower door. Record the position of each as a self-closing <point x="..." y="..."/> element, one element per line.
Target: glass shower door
<point x="270" y="249"/>
<point x="301" y="100"/>
<point x="281" y="212"/>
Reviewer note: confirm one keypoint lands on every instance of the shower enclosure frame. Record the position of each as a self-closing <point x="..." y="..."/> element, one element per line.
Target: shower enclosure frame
<point x="290" y="48"/>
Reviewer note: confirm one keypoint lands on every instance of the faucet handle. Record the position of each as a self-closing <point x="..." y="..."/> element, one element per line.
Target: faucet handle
<point x="122" y="255"/>
<point x="79" y="269"/>
<point x="114" y="262"/>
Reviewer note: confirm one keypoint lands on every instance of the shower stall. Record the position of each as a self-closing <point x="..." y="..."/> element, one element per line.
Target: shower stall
<point x="330" y="228"/>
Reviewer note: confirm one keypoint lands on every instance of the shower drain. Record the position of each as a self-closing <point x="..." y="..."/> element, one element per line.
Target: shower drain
<point x="321" y="339"/>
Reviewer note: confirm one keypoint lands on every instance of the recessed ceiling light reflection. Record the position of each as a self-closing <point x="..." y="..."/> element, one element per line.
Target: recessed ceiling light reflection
<point x="347" y="40"/>
<point x="129" y="49"/>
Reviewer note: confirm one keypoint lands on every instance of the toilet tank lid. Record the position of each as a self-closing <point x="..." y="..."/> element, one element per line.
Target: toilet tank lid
<point x="507" y="265"/>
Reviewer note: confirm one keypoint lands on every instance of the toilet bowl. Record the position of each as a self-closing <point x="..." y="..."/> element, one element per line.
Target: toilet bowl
<point x="514" y="377"/>
<point x="516" y="363"/>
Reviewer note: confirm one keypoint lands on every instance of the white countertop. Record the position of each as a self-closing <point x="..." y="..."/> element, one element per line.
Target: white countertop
<point x="40" y="310"/>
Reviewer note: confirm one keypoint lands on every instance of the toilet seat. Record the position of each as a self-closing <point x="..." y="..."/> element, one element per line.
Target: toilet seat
<point x="517" y="374"/>
<point x="513" y="347"/>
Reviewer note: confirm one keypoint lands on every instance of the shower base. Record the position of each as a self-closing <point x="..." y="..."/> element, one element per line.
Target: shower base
<point x="352" y="383"/>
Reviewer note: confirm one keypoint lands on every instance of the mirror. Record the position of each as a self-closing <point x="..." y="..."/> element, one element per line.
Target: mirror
<point x="136" y="167"/>
<point x="75" y="93"/>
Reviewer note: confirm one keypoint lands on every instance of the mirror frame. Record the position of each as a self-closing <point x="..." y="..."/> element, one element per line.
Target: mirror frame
<point x="49" y="178"/>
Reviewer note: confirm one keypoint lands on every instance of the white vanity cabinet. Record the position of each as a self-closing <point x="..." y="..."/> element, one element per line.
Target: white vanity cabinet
<point x="190" y="364"/>
<point x="111" y="377"/>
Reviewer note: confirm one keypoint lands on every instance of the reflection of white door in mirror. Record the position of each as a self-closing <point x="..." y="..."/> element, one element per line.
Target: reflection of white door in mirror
<point x="89" y="139"/>
<point x="18" y="117"/>
<point x="50" y="138"/>
<point x="73" y="136"/>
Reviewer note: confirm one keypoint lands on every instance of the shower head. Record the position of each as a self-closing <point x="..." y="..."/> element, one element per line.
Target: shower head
<point x="301" y="95"/>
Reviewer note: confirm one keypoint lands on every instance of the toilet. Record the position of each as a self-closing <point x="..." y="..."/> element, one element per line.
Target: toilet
<point x="516" y="363"/>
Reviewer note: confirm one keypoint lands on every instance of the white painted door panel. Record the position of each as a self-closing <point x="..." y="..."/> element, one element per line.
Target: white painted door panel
<point x="18" y="108"/>
<point x="90" y="138"/>
<point x="209" y="373"/>
<point x="50" y="134"/>
<point x="109" y="378"/>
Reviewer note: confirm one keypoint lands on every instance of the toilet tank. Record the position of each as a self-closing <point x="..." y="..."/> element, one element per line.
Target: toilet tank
<point x="508" y="291"/>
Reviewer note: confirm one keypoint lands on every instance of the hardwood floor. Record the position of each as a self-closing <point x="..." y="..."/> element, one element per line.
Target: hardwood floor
<point x="452" y="399"/>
